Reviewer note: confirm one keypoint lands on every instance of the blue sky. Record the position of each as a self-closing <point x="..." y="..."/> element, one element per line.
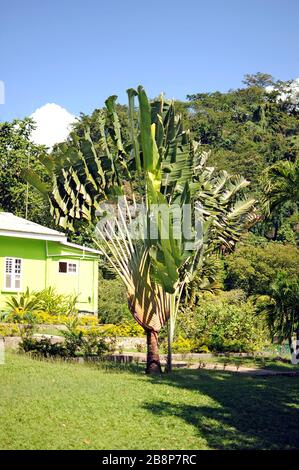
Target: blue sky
<point x="77" y="52"/>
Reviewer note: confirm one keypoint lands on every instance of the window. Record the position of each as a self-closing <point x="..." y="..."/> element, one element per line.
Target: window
<point x="62" y="267"/>
<point x="13" y="272"/>
<point x="72" y="268"/>
<point x="67" y="268"/>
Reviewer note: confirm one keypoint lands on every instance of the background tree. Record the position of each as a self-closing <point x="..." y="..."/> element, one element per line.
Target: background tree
<point x="17" y="152"/>
<point x="258" y="79"/>
<point x="247" y="129"/>
<point x="282" y="310"/>
<point x="256" y="262"/>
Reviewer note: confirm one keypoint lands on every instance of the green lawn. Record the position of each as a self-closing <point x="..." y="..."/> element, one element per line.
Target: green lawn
<point x="49" y="330"/>
<point x="268" y="363"/>
<point x="55" y="405"/>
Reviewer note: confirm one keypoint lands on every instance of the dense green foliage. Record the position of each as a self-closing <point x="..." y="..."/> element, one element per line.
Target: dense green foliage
<point x="223" y="322"/>
<point x="48" y="301"/>
<point x="251" y="131"/>
<point x="281" y="308"/>
<point x="17" y="153"/>
<point x="113" y="306"/>
<point x="247" y="129"/>
<point x="255" y="264"/>
<point x="76" y="343"/>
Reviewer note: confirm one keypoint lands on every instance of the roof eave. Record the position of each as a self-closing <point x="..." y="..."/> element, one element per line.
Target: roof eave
<point x="31" y="235"/>
<point x="82" y="248"/>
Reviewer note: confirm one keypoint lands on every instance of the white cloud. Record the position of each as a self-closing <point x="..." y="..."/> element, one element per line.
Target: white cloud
<point x="53" y="124"/>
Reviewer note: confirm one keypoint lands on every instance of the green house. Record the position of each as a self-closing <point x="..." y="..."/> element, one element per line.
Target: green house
<point x="37" y="257"/>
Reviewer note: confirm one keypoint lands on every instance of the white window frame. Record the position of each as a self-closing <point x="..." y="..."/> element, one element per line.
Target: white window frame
<point x="72" y="273"/>
<point x="14" y="276"/>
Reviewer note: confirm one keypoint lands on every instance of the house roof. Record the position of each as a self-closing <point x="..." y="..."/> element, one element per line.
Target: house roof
<point x="13" y="226"/>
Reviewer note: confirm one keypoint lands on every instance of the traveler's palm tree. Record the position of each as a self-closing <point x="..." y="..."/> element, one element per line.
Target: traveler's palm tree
<point x="159" y="166"/>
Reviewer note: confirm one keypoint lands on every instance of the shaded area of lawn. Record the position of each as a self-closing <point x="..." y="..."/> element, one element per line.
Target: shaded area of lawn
<point x="72" y="406"/>
<point x="260" y="413"/>
<point x="260" y="362"/>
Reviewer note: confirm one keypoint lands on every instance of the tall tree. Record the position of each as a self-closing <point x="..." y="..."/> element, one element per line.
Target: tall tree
<point x="165" y="171"/>
<point x="18" y="152"/>
<point x="258" y="79"/>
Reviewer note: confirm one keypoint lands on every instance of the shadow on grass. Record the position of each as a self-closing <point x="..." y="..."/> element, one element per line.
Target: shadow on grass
<point x="263" y="362"/>
<point x="249" y="413"/>
<point x="229" y="411"/>
<point x="100" y="364"/>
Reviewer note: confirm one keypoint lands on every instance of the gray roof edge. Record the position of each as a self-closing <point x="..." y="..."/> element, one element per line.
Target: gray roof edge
<point x="81" y="247"/>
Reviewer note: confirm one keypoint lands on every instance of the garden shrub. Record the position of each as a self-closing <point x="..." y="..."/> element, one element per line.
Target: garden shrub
<point x="50" y="319"/>
<point x="42" y="347"/>
<point x="88" y="320"/>
<point x="9" y="329"/>
<point x="183" y="345"/>
<point x="125" y="329"/>
<point x="52" y="302"/>
<point x="222" y="325"/>
<point x="47" y="301"/>
<point x="113" y="302"/>
<point x="77" y="342"/>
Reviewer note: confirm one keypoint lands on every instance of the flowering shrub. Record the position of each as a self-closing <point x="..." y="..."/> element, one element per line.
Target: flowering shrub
<point x="9" y="329"/>
<point x="126" y="329"/>
<point x="86" y="324"/>
<point x="49" y="319"/>
<point x="188" y="345"/>
<point x="183" y="345"/>
<point x="89" y="320"/>
<point x="42" y="317"/>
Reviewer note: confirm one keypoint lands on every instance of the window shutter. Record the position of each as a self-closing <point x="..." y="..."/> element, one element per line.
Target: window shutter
<point x="72" y="268"/>
<point x="8" y="273"/>
<point x="18" y="267"/>
<point x="13" y="272"/>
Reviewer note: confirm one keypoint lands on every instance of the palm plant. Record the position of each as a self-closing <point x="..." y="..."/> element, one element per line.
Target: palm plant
<point x="24" y="304"/>
<point x="282" y="311"/>
<point x="281" y="185"/>
<point x="57" y="304"/>
<point x="160" y="166"/>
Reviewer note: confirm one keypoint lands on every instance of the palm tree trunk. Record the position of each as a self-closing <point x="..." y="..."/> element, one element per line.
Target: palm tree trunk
<point x="153" y="365"/>
<point x="169" y="356"/>
<point x="169" y="350"/>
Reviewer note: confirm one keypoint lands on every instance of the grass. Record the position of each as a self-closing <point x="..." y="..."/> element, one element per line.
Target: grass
<point x="49" y="330"/>
<point x="260" y="362"/>
<point x="268" y="363"/>
<point x="57" y="405"/>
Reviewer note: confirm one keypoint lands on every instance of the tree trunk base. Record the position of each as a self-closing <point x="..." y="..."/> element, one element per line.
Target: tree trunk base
<point x="153" y="365"/>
